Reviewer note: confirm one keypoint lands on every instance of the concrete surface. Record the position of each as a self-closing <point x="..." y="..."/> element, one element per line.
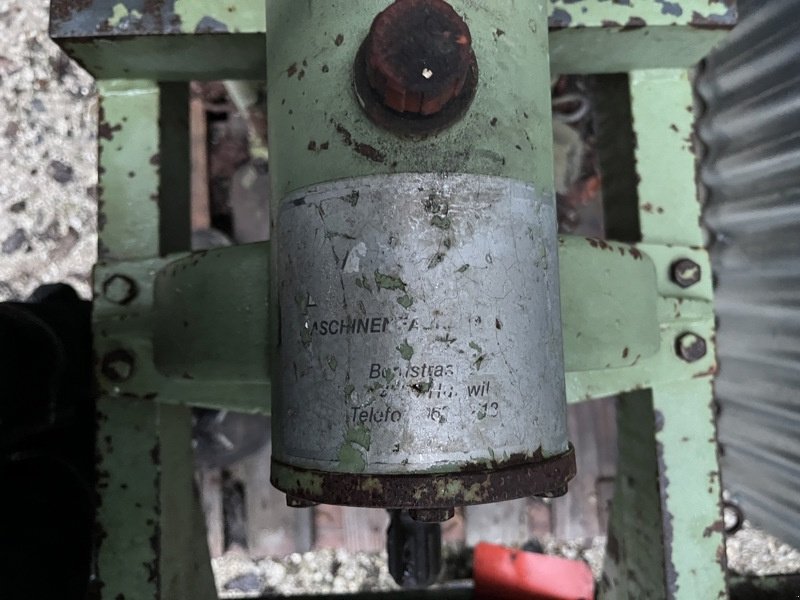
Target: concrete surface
<point x="48" y="120"/>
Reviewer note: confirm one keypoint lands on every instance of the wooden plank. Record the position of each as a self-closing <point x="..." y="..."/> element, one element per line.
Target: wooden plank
<point x="582" y="513"/>
<point x="198" y="131"/>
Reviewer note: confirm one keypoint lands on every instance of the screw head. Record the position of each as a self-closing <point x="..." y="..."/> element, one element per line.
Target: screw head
<point x="118" y="365"/>
<point x="432" y="515"/>
<point x="690" y="347"/>
<point x="418" y="56"/>
<point x="119" y="289"/>
<point x="685" y="272"/>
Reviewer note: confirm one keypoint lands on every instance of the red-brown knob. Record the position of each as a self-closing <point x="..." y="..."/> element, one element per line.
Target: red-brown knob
<point x="418" y="55"/>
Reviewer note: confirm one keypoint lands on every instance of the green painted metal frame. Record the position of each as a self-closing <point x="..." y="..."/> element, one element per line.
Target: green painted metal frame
<point x="185" y="340"/>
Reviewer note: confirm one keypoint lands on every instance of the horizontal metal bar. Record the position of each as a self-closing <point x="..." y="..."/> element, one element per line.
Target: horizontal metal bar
<point x="621" y="314"/>
<point x="169" y="41"/>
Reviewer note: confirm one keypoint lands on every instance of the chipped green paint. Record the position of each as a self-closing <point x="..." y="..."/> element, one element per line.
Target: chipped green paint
<point x="405" y="350"/>
<point x="234" y="15"/>
<point x="348" y="390"/>
<point x="352" y="451"/>
<point x="332" y="363"/>
<point x="639" y="13"/>
<point x="389" y="282"/>
<point x="121" y="12"/>
<point x="363" y="283"/>
<point x="640" y="34"/>
<point x="476" y="347"/>
<point x="388" y="375"/>
<point x="301" y="481"/>
<point x="463" y="269"/>
<point x="405" y="301"/>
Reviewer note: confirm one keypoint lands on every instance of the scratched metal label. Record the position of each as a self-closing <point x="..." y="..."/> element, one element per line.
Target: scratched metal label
<point x="420" y="325"/>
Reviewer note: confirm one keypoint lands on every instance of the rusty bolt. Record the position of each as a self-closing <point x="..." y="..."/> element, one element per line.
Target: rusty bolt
<point x="685" y="272"/>
<point x="119" y="289"/>
<point x="418" y="56"/>
<point x="432" y="515"/>
<point x="690" y="347"/>
<point x="118" y="365"/>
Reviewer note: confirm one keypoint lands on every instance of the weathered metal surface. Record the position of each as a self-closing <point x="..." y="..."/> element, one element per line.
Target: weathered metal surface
<point x="662" y="103"/>
<point x="146" y="508"/>
<point x="211" y="354"/>
<point x="595" y="36"/>
<point x="593" y="337"/>
<point x="318" y="131"/>
<point x="166" y="40"/>
<point x="669" y="544"/>
<point x="183" y="39"/>
<point x="413" y="338"/>
<point x="505" y="480"/>
<point x="751" y="93"/>
<point x="626" y="329"/>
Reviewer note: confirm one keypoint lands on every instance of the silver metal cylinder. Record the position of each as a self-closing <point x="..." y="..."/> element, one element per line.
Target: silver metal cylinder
<point x="420" y="352"/>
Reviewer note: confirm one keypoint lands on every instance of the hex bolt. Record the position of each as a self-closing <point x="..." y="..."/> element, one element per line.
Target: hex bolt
<point x="685" y="272"/>
<point x="120" y="289"/>
<point x="432" y="515"/>
<point x="690" y="347"/>
<point x="118" y="365"/>
<point x="295" y="502"/>
<point x="418" y="56"/>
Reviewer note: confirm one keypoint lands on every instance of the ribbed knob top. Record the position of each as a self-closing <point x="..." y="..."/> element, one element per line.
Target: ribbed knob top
<point x="418" y="53"/>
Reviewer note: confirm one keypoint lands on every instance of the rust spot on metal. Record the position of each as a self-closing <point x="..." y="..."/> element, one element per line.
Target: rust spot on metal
<point x="106" y="132"/>
<point x="625" y="352"/>
<point x="559" y="19"/>
<point x="370" y="152"/>
<point x="339" y="40"/>
<point x="717" y="526"/>
<point x="666" y="523"/>
<point x="347" y="137"/>
<point x="635" y="253"/>
<point x="312" y="145"/>
<point x="291" y="70"/>
<point x="155" y="160"/>
<point x="513" y="478"/>
<point x="633" y="24"/>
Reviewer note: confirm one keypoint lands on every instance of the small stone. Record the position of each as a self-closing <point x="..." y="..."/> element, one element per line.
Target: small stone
<point x="249" y="582"/>
<point x="61" y="172"/>
<point x="15" y="241"/>
<point x="17" y="207"/>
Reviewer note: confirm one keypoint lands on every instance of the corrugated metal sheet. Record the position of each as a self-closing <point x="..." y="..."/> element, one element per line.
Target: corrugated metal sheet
<point x="751" y="126"/>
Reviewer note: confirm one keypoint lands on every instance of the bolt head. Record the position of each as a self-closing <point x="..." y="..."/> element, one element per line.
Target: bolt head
<point x="119" y="289"/>
<point x="418" y="56"/>
<point x="685" y="273"/>
<point x="117" y="365"/>
<point x="690" y="347"/>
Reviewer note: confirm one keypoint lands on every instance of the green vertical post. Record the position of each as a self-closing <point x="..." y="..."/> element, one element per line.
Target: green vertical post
<point x="148" y="542"/>
<point x="676" y="456"/>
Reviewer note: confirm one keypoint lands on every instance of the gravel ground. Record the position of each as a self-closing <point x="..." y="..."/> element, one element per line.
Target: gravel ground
<point x="48" y="155"/>
<point x="750" y="552"/>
